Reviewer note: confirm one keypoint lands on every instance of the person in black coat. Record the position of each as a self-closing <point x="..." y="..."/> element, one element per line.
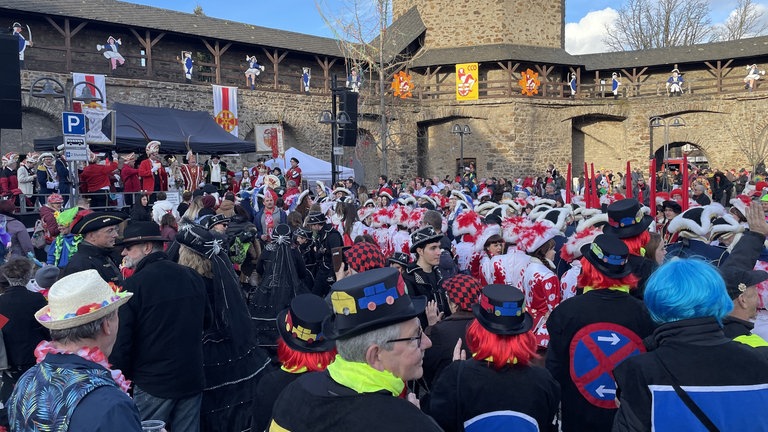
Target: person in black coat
<point x="300" y="349"/>
<point x="591" y="333"/>
<point x="423" y="277"/>
<point x="693" y="374"/>
<point x="22" y="332"/>
<point x="325" y="239"/>
<point x="497" y="388"/>
<point x="160" y="351"/>
<point x="462" y="294"/>
<point x="99" y="231"/>
<point x="141" y="210"/>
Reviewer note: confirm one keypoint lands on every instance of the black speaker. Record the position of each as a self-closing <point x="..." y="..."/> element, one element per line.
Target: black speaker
<point x="10" y="83"/>
<point x="348" y="133"/>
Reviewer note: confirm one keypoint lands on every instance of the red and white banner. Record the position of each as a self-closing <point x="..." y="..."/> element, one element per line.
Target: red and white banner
<point x="87" y="90"/>
<point x="225" y="108"/>
<point x="269" y="139"/>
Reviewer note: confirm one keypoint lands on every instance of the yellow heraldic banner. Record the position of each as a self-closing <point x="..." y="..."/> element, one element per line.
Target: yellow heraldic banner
<point x="466" y="81"/>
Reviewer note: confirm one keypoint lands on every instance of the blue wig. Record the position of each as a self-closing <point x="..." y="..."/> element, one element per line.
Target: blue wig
<point x="686" y="288"/>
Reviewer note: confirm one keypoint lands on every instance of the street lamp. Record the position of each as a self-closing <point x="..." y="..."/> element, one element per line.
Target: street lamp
<point x="51" y="88"/>
<point x="657" y="121"/>
<point x="334" y="118"/>
<point x="461" y="131"/>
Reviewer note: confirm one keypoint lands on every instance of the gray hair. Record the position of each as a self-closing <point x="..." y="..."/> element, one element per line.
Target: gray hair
<point x="354" y="348"/>
<point x="86" y="331"/>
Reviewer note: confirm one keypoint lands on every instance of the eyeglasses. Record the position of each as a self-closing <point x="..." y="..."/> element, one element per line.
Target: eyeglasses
<point x="417" y="338"/>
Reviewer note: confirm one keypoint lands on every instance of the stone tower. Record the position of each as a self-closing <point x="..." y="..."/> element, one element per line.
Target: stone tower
<point x="457" y="23"/>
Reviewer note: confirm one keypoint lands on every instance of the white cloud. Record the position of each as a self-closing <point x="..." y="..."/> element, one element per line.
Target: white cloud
<point x="586" y="36"/>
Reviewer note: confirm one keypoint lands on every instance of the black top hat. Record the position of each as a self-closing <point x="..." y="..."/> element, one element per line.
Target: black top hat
<point x="141" y="232"/>
<point x="423" y="237"/>
<point x="300" y="325"/>
<point x="401" y="258"/>
<point x="98" y="220"/>
<point x="609" y="255"/>
<point x="626" y="219"/>
<point x="368" y="301"/>
<point x="738" y="280"/>
<point x="672" y="205"/>
<point x="210" y="189"/>
<point x="501" y="310"/>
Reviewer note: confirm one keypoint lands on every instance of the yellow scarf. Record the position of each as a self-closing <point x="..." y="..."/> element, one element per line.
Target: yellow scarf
<point x="362" y="378"/>
<point x="622" y="288"/>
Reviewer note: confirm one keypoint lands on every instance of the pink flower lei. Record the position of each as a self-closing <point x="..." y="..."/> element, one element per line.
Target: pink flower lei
<point x="93" y="354"/>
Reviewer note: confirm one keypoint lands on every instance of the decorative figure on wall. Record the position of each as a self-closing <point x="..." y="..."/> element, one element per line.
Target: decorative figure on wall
<point x="354" y="81"/>
<point x="615" y="83"/>
<point x="187" y="63"/>
<point x="254" y="70"/>
<point x="529" y="82"/>
<point x="753" y="74"/>
<point x="111" y="53"/>
<point x="675" y="84"/>
<point x="572" y="84"/>
<point x="402" y="85"/>
<point x="23" y="43"/>
<point x="306" y="75"/>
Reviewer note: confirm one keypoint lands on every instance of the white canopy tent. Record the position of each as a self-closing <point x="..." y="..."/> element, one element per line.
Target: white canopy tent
<point x="312" y="168"/>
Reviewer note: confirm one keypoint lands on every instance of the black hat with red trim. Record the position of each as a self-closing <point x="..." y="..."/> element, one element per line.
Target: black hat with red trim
<point x="626" y="218"/>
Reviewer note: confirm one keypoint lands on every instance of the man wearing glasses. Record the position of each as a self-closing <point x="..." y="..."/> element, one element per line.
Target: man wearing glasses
<point x="380" y="348"/>
<point x="99" y="231"/>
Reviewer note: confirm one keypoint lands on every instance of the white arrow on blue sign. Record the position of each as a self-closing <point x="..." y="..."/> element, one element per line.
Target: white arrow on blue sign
<point x="73" y="123"/>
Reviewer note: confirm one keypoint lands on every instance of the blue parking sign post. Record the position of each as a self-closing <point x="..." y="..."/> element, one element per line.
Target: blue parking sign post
<point x="73" y="123"/>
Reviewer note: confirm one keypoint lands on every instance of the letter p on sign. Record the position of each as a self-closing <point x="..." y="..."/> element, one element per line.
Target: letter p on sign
<point x="73" y="123"/>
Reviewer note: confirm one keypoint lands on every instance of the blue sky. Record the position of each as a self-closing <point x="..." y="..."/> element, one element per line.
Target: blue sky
<point x="585" y="18"/>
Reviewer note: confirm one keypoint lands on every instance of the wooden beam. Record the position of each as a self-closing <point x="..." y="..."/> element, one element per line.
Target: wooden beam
<point x="275" y="57"/>
<point x="544" y="73"/>
<point x="216" y="51"/>
<point x="67" y="32"/>
<point x="326" y="65"/>
<point x="717" y="72"/>
<point x="510" y="69"/>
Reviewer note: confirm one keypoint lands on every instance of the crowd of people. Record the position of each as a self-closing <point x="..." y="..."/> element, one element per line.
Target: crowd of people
<point x="455" y="304"/>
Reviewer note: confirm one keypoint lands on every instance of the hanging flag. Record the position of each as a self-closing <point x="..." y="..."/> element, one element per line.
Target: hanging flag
<point x="269" y="139"/>
<point x="225" y="108"/>
<point x="402" y="85"/>
<point x="84" y="90"/>
<point x="466" y="81"/>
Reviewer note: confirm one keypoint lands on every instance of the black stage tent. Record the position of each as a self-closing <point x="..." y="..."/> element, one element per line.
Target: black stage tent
<point x="174" y="128"/>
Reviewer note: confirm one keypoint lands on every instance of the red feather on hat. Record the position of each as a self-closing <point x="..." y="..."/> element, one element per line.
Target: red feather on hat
<point x="467" y="222"/>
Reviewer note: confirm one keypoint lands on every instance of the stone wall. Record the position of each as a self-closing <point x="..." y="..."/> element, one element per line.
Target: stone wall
<point x="452" y="23"/>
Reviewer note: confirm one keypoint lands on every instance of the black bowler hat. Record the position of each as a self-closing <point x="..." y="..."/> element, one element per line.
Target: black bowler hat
<point x="316" y="218"/>
<point x="501" y="310"/>
<point x="738" y="280"/>
<point x="368" y="301"/>
<point x="626" y="218"/>
<point x="609" y="254"/>
<point x="423" y="237"/>
<point x="97" y="220"/>
<point x="141" y="232"/>
<point x="300" y="325"/>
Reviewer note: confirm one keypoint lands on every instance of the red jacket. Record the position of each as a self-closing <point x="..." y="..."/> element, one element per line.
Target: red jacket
<point x="96" y="176"/>
<point x="130" y="178"/>
<point x="148" y="180"/>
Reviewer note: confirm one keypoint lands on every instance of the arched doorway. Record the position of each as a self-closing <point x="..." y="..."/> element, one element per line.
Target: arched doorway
<point x="696" y="156"/>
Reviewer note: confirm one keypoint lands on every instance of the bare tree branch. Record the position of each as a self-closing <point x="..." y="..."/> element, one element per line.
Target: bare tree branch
<point x="750" y="133"/>
<point x="647" y="24"/>
<point x="747" y="20"/>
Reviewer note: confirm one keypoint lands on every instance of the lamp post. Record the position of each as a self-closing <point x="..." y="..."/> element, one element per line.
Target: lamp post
<point x="657" y="121"/>
<point x="51" y="88"/>
<point x="461" y="131"/>
<point x="334" y="118"/>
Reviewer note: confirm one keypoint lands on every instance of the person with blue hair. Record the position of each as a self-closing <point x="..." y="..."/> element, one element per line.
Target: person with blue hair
<point x="693" y="374"/>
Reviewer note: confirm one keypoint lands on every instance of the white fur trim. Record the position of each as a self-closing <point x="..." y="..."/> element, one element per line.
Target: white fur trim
<point x="592" y="221"/>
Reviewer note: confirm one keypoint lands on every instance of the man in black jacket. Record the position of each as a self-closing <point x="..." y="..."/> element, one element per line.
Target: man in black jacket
<point x="325" y="238"/>
<point x="423" y="277"/>
<point x="159" y="346"/>
<point x="99" y="231"/>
